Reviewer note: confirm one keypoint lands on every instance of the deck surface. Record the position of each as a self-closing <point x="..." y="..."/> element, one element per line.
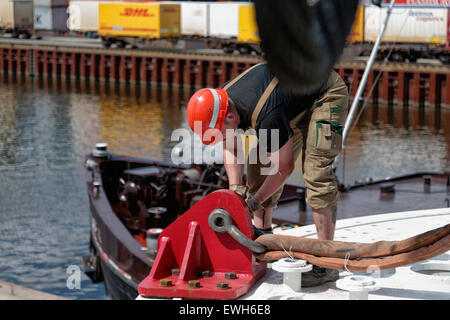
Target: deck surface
<point x="401" y="283"/>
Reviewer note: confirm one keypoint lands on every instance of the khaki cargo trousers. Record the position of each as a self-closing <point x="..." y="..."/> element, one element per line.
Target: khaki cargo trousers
<point x="318" y="137"/>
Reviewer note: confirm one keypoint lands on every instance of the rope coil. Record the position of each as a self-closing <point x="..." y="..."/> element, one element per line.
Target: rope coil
<point x="357" y="256"/>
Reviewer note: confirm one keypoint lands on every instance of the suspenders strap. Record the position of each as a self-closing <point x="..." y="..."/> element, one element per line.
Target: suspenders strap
<point x="262" y="100"/>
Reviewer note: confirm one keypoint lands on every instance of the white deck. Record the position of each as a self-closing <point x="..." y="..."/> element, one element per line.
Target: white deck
<point x="399" y="283"/>
<point x="395" y="284"/>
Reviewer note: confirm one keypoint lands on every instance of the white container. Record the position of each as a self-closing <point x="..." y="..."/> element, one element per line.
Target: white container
<point x="224" y="19"/>
<point x="83" y="16"/>
<point x="50" y="18"/>
<point x="16" y="14"/>
<point x="407" y="25"/>
<point x="194" y="18"/>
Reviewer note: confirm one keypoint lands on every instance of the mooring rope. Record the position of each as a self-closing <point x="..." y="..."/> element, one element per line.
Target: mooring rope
<point x="357" y="256"/>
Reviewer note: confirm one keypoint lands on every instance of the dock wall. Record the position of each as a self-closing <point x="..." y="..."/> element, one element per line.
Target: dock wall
<point x="401" y="83"/>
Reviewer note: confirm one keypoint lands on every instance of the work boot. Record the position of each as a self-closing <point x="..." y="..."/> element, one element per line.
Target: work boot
<point x="318" y="276"/>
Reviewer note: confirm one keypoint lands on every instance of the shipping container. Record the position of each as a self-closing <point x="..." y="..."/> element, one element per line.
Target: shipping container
<point x="407" y="25"/>
<point x="195" y="18"/>
<point x="83" y="16"/>
<point x="145" y="20"/>
<point x="357" y="30"/>
<point x="50" y="18"/>
<point x="248" y="29"/>
<point x="224" y="19"/>
<point x="16" y="15"/>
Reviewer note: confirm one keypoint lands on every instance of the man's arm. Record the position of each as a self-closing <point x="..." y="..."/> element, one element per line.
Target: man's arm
<point x="234" y="169"/>
<point x="284" y="161"/>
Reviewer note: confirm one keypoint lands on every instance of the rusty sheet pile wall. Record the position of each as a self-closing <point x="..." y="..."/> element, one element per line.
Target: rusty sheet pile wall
<point x="398" y="82"/>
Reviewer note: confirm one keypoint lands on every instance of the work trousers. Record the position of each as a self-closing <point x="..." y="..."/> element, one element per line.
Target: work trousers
<point x="318" y="138"/>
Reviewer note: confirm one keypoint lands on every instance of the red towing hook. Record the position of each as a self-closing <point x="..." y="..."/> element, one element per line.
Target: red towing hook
<point x="194" y="261"/>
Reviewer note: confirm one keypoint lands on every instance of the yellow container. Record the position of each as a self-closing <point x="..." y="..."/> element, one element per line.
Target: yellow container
<point x="137" y="19"/>
<point x="357" y="32"/>
<point x="248" y="29"/>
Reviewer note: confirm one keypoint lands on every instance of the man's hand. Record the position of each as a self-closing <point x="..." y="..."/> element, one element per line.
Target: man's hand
<point x="253" y="204"/>
<point x="240" y="189"/>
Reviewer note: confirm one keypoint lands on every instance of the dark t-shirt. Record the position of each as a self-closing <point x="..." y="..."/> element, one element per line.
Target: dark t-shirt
<point x="280" y="108"/>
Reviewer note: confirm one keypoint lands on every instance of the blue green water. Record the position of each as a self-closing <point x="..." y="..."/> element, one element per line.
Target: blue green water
<point x="47" y="128"/>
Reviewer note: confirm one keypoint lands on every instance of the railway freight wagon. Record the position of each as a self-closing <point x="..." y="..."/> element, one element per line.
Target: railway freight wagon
<point x="84" y="17"/>
<point x="230" y="26"/>
<point x="138" y="22"/>
<point x="16" y="18"/>
<point x="412" y="32"/>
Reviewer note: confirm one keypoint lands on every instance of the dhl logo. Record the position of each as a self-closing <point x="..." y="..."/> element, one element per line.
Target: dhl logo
<point x="136" y="12"/>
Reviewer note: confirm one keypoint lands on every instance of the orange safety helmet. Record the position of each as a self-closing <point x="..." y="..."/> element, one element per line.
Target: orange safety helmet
<point x="208" y="106"/>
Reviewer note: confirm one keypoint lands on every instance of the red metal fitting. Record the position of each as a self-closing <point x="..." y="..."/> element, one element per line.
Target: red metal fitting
<point x="192" y="246"/>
